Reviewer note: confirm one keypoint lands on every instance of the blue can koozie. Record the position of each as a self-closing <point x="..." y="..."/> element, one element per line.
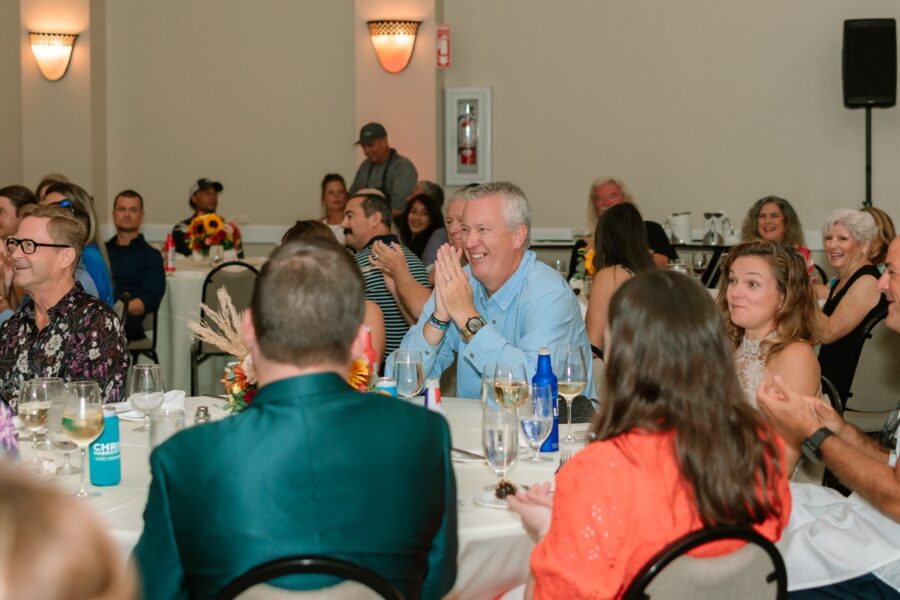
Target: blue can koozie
<point x="545" y="376"/>
<point x="105" y="460"/>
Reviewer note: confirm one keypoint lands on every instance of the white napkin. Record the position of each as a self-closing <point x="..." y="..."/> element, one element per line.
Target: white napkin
<point x="171" y="399"/>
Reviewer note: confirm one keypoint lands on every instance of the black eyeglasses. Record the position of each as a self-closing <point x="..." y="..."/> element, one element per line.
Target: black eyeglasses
<point x="29" y="246"/>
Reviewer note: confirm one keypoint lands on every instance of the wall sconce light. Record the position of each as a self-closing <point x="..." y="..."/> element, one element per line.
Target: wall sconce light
<point x="394" y="42"/>
<point x="52" y="51"/>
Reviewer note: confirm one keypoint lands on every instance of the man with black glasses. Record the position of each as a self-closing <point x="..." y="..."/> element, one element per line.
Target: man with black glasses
<point x="59" y="331"/>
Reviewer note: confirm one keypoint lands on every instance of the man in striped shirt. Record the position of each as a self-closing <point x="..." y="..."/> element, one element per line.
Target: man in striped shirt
<point x="367" y="219"/>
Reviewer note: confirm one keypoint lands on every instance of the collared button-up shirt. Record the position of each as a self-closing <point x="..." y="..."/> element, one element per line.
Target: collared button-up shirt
<point x="534" y="308"/>
<point x="83" y="340"/>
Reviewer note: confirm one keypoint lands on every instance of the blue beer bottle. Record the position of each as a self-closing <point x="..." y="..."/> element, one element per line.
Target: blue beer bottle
<point x="543" y="376"/>
<point x="105" y="459"/>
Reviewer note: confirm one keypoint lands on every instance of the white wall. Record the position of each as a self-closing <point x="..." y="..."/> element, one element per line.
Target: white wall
<point x="697" y="105"/>
<point x="11" y="104"/>
<point x="257" y="94"/>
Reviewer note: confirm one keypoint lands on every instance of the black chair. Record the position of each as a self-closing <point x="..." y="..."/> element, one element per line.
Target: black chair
<point x="834" y="397"/>
<point x="239" y="278"/>
<point x="313" y="564"/>
<point x="754" y="571"/>
<point x="146" y="346"/>
<point x="820" y="272"/>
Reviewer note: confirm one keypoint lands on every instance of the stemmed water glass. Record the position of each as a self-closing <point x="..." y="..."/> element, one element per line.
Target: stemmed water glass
<point x="571" y="376"/>
<point x="57" y="434"/>
<point x="82" y="420"/>
<point x="536" y="419"/>
<point x="409" y="373"/>
<point x="500" y="438"/>
<point x="510" y="385"/>
<point x="145" y="390"/>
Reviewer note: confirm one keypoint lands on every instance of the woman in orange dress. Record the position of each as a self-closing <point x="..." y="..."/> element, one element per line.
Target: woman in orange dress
<point x="675" y="448"/>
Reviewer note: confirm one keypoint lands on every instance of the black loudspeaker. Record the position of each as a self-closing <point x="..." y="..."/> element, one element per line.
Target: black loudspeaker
<point x="870" y="63"/>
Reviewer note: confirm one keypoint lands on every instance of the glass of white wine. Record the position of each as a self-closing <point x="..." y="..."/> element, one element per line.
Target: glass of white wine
<point x="536" y="420"/>
<point x="55" y="387"/>
<point x="500" y="438"/>
<point x="510" y="385"/>
<point x="571" y="375"/>
<point x="409" y="372"/>
<point x="82" y="420"/>
<point x="34" y="410"/>
<point x="145" y="390"/>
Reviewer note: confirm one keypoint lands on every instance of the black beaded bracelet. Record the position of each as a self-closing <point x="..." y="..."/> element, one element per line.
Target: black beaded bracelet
<point x="437" y="323"/>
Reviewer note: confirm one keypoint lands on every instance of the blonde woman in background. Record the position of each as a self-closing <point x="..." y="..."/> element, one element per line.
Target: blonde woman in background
<point x="51" y="545"/>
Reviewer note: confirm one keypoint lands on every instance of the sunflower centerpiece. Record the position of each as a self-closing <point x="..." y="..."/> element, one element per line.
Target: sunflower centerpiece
<point x="209" y="230"/>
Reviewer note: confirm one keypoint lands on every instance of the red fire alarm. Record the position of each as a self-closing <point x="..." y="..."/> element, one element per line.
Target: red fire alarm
<point x="443" y="46"/>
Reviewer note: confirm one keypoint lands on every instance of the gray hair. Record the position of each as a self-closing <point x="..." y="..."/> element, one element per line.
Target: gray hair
<point x="591" y="211"/>
<point x="861" y="225"/>
<point x="516" y="210"/>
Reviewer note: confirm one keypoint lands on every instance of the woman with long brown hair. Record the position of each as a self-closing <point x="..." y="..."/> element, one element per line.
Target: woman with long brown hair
<point x="675" y="448"/>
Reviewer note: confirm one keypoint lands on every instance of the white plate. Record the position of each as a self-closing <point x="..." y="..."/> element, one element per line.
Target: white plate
<point x="489" y="500"/>
<point x="459" y="457"/>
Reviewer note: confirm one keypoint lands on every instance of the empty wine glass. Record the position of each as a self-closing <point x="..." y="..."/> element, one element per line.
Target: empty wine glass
<point x="487" y="383"/>
<point x="409" y="373"/>
<point x="33" y="410"/>
<point x="216" y="254"/>
<point x="57" y="434"/>
<point x="571" y="376"/>
<point x="54" y="387"/>
<point x="510" y="385"/>
<point x="699" y="264"/>
<point x="500" y="438"/>
<point x="536" y="419"/>
<point x="145" y="390"/>
<point x="83" y="420"/>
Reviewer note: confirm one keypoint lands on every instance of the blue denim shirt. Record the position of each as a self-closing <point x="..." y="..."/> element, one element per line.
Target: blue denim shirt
<point x="534" y="308"/>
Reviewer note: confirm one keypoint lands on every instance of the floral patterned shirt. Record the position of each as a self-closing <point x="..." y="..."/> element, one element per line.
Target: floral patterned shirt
<point x="9" y="446"/>
<point x="83" y="340"/>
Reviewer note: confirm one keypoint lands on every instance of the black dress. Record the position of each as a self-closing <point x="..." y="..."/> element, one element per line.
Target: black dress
<point x="838" y="359"/>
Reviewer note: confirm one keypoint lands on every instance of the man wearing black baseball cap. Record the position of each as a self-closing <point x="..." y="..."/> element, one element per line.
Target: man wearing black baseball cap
<point x="385" y="170"/>
<point x="203" y="198"/>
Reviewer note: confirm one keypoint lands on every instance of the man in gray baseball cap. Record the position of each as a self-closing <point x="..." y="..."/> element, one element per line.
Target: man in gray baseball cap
<point x="203" y="197"/>
<point x="384" y="169"/>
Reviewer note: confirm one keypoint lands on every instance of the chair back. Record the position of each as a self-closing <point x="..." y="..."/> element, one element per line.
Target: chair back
<point x="754" y="571"/>
<point x="312" y="564"/>
<point x="873" y="393"/>
<point x="830" y="393"/>
<point x="239" y="278"/>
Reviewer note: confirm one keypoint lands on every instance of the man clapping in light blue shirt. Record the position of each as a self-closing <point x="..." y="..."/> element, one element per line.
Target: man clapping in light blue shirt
<point x="504" y="306"/>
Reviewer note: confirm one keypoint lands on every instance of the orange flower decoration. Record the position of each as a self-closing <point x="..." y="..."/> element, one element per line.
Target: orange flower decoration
<point x="359" y="374"/>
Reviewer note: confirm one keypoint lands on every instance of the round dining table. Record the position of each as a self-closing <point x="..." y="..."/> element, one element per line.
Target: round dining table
<point x="493" y="548"/>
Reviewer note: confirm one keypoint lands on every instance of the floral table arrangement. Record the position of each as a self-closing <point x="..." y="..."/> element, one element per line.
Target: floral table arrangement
<point x="208" y="230"/>
<point x="222" y="329"/>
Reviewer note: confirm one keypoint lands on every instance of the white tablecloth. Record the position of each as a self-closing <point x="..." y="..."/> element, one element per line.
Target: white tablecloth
<point x="180" y="304"/>
<point x="493" y="548"/>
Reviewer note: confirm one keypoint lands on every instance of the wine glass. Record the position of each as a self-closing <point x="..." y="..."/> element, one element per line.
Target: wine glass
<point x="409" y="373"/>
<point x="83" y="420"/>
<point x="510" y="385"/>
<point x="57" y="434"/>
<point x="561" y="268"/>
<point x="536" y="419"/>
<point x="699" y="264"/>
<point x="33" y="410"/>
<point x="145" y="390"/>
<point x="500" y="438"/>
<point x="571" y="376"/>
<point x="216" y="254"/>
<point x="487" y="383"/>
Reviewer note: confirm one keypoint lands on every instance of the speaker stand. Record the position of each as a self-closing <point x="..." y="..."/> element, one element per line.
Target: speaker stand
<point x="868" y="201"/>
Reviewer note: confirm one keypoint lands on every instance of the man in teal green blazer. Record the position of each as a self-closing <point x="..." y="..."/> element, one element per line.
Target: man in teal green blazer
<point x="311" y="466"/>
